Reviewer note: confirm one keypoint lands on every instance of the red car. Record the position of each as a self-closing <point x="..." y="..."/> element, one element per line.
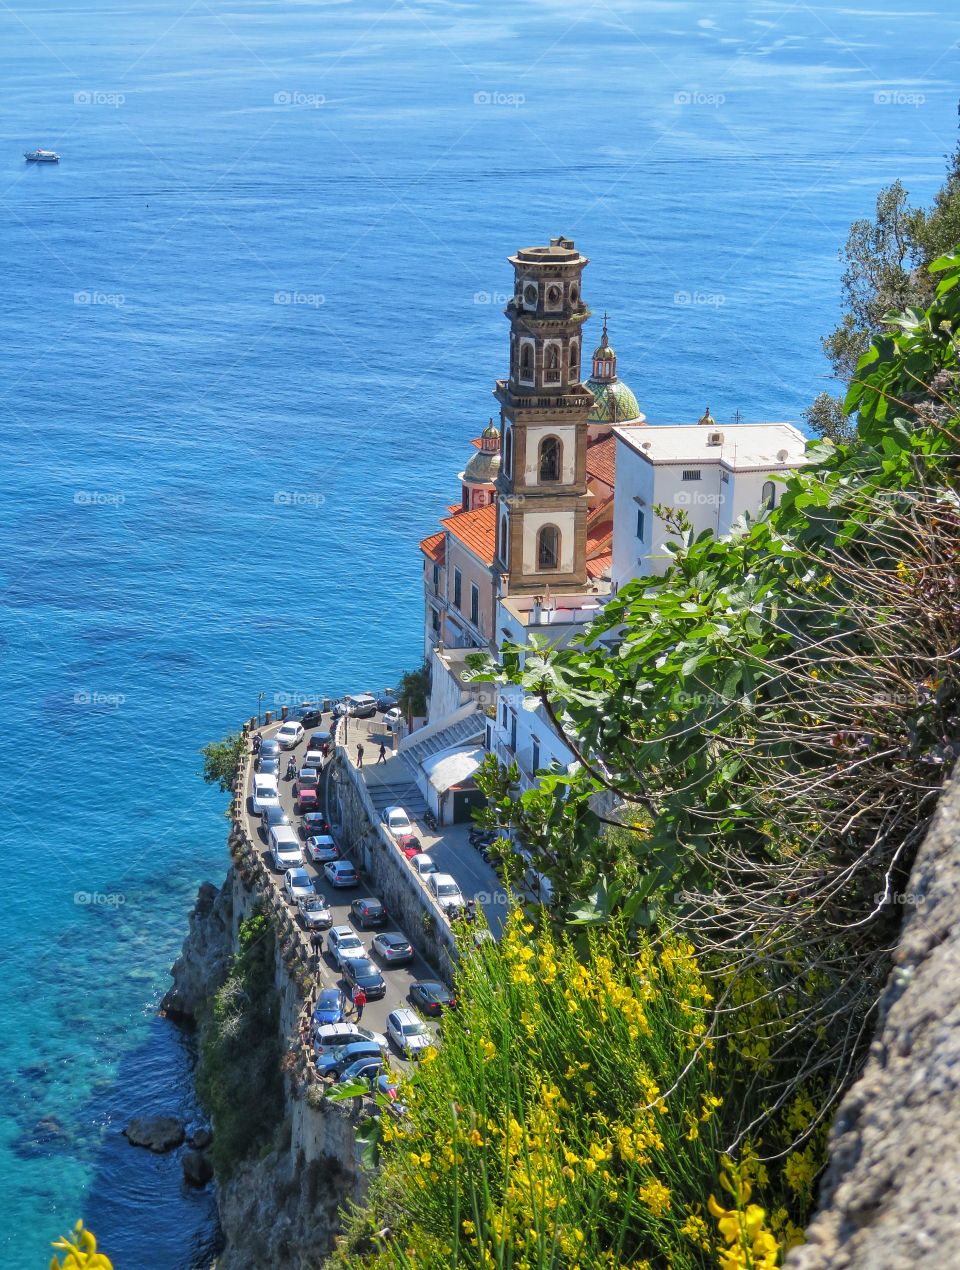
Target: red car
<point x="308" y="799"/>
<point x="409" y="844"/>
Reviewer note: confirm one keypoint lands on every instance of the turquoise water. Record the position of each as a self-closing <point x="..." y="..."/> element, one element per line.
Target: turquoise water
<point x="250" y="324"/>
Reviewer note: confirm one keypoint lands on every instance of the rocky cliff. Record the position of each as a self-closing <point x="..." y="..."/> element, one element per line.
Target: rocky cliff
<point x="202" y="965"/>
<point x="890" y="1198"/>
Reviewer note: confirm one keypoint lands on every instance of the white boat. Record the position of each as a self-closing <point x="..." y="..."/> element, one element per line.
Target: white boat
<point x="41" y="156"/>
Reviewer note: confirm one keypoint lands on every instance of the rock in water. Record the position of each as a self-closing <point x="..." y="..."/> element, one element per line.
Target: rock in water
<point x="156" y="1133"/>
<point x="197" y="1168"/>
<point x="201" y="1139"/>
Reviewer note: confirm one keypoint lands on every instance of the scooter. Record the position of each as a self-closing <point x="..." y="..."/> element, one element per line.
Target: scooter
<point x="291" y="768"/>
<point x="430" y="820"/>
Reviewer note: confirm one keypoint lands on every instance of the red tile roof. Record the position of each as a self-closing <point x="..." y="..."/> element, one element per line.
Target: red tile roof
<point x="600" y="565"/>
<point x="602" y="460"/>
<point x="434" y="546"/>
<point x="477" y="530"/>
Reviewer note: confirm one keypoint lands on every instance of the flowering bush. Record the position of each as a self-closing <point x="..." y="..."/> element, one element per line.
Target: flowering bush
<point x="81" y="1249"/>
<point x="574" y="1115"/>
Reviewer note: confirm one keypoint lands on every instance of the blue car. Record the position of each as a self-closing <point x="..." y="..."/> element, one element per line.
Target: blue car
<point x="329" y="1008"/>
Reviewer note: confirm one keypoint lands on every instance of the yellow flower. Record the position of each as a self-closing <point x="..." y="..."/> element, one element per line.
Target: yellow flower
<point x="656" y="1196"/>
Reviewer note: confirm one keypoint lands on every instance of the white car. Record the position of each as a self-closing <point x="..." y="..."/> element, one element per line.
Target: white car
<point x="298" y="885"/>
<point x="264" y="794"/>
<point x="422" y="864"/>
<point x="286" y="856"/>
<point x="361" y="706"/>
<point x="393" y="717"/>
<point x="344" y="942"/>
<point x="313" y="758"/>
<point x="408" y="1032"/>
<point x="289" y="734"/>
<point x="330" y="1036"/>
<point x="445" y="890"/>
<point x="398" y="822"/>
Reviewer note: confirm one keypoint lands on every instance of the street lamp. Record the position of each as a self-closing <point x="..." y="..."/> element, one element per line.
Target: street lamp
<point x="259" y="704"/>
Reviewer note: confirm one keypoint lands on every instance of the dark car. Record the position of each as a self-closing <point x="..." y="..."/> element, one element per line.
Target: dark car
<point x="269" y="767"/>
<point x="268" y="749"/>
<point x="365" y="1071"/>
<point x="432" y="998"/>
<point x="319" y="739"/>
<point x="386" y="701"/>
<point x="392" y="948"/>
<point x="311" y="717"/>
<point x="367" y="913"/>
<point x="273" y="816"/>
<point x="360" y="972"/>
<point x="314" y="824"/>
<point x="332" y="1062"/>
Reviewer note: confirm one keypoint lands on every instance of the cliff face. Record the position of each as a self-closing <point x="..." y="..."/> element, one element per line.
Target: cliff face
<point x="890" y="1198"/>
<point x="202" y="965"/>
<point x="280" y="1210"/>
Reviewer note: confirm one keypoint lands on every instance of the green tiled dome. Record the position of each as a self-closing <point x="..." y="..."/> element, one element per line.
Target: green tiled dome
<point x="614" y="403"/>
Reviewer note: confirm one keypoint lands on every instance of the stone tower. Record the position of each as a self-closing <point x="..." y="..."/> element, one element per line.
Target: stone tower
<point x="542" y="497"/>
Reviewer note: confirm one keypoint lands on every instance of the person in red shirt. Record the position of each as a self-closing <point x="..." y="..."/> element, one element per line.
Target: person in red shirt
<point x="359" y="1001"/>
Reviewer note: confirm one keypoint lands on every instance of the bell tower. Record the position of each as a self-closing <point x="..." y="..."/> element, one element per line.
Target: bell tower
<point x="542" y="497"/>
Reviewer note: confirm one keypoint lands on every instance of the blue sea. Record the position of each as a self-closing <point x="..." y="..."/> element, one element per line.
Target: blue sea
<point x="249" y="326"/>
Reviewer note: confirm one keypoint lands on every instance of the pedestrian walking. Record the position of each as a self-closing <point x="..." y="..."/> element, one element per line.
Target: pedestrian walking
<point x="316" y="943"/>
<point x="359" y="1001"/>
<point x="360" y="757"/>
<point x="383" y="753"/>
<point x="257" y="742"/>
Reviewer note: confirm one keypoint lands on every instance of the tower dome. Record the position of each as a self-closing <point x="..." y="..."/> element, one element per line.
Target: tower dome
<point x="613" y="401"/>
<point x="479" y="476"/>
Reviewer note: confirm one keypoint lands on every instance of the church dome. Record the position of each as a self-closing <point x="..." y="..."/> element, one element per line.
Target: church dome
<point x="613" y="403"/>
<point x="482" y="468"/>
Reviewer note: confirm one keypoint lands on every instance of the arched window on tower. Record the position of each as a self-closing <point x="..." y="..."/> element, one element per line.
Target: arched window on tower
<point x="551" y="365"/>
<point x="550" y="455"/>
<point x="574" y="362"/>
<point x="508" y="452"/>
<point x="526" y="361"/>
<point x="768" y="495"/>
<point x="502" y="546"/>
<point x="548" y="548"/>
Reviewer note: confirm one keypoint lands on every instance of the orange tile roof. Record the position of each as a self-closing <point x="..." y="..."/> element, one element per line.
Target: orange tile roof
<point x="598" y="539"/>
<point x="602" y="460"/>
<point x="600" y="565"/>
<point x="477" y="530"/>
<point x="434" y="547"/>
<point x="600" y="513"/>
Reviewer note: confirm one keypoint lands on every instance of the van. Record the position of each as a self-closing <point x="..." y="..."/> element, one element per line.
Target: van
<point x="265" y="793"/>
<point x="285" y="847"/>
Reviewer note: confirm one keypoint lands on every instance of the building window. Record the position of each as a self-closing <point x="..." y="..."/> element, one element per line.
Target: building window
<point x="691" y="474"/>
<point x="457" y="588"/>
<point x="548" y="547"/>
<point x="513" y="731"/>
<point x="436" y="577"/>
<point x="530" y="295"/>
<point x="526" y="361"/>
<point x="551" y="365"/>
<point x="641" y="523"/>
<point x="554" y="296"/>
<point x="574" y="293"/>
<point x="474" y="604"/>
<point x="725" y="478"/>
<point x="503" y="547"/>
<point x="508" y="452"/>
<point x="768" y="496"/>
<point x="550" y="455"/>
<point x="435" y="619"/>
<point x="574" y="362"/>
<point x="536" y="755"/>
<point x="503" y="716"/>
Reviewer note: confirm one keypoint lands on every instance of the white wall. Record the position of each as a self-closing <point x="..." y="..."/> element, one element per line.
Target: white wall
<point x="533" y="522"/>
<point x="567" y="435"/>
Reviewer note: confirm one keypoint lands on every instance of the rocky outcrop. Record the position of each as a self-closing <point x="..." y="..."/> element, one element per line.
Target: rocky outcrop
<point x="156" y="1133"/>
<point x="204" y="960"/>
<point x="890" y="1198"/>
<point x="197" y="1168"/>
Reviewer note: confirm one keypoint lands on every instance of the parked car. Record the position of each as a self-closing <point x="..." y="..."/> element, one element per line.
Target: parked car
<point x="318" y="740"/>
<point x="308" y="800"/>
<point x="386" y="701"/>
<point x="313" y="758"/>
<point x="364" y="1070"/>
<point x="322" y="848"/>
<point x="285" y="848"/>
<point x="341" y="1056"/>
<point x="432" y="997"/>
<point x="445" y="891"/>
<point x="361" y="706"/>
<point x="344" y="942"/>
<point x="331" y="1036"/>
<point x="341" y="873"/>
<point x="422" y="864"/>
<point x="314" y="823"/>
<point x="307" y="778"/>
<point x="411" y="846"/>
<point x="409" y="1033"/>
<point x="270" y="767"/>
<point x="392" y="948"/>
<point x="298" y="885"/>
<point x="289" y="734"/>
<point x="273" y="816"/>
<point x="268" y="749"/>
<point x="360" y="972"/>
<point x="329" y="1009"/>
<point x="368" y="912"/>
<point x="393" y="717"/>
<point x="317" y="915"/>
<point x="398" y="822"/>
<point x="264" y="794"/>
